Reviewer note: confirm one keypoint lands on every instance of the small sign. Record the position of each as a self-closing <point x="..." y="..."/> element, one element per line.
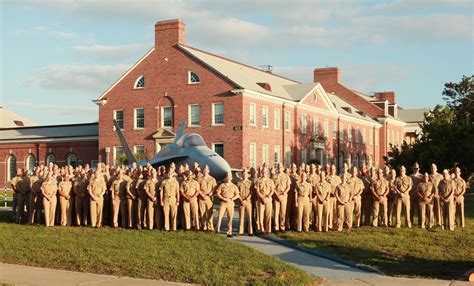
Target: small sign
<point x="237" y="128"/>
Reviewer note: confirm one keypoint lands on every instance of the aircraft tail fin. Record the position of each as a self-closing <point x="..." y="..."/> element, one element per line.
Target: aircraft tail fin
<point x="126" y="148"/>
<point x="180" y="131"/>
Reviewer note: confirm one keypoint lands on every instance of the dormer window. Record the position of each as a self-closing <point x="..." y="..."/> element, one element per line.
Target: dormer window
<point x="140" y="83"/>
<point x="193" y="77"/>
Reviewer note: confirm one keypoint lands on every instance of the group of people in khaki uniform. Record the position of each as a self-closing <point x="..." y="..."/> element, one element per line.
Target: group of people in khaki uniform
<point x="268" y="199"/>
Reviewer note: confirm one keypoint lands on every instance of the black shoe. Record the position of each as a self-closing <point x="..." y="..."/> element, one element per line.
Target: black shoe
<point x="250" y="234"/>
<point x="229" y="235"/>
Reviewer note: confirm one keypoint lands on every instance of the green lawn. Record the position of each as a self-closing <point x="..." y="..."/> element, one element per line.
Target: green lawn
<point x="401" y="252"/>
<point x="190" y="257"/>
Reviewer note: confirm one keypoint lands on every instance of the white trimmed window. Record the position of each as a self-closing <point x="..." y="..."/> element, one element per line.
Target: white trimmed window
<point x="341" y="131"/>
<point x="304" y="123"/>
<point x="287" y="120"/>
<point x="118" y="116"/>
<point x="326" y="128"/>
<point x="11" y="166"/>
<point x="253" y="114"/>
<point x="287" y="156"/>
<point x="276" y="155"/>
<point x="253" y="155"/>
<point x="371" y="136"/>
<point x="218" y="148"/>
<point x="139" y="120"/>
<point x="166" y="116"/>
<point x="139" y="149"/>
<point x="265" y="116"/>
<point x="72" y="160"/>
<point x="364" y="136"/>
<point x="356" y="134"/>
<point x="265" y="154"/>
<point x="315" y="125"/>
<point x="194" y="115"/>
<point x="303" y="155"/>
<point x="277" y="118"/>
<point x="349" y="133"/>
<point x="193" y="77"/>
<point x="334" y="130"/>
<point x="118" y="151"/>
<point x="218" y="114"/>
<point x="30" y="162"/>
<point x="140" y="82"/>
<point x="50" y="159"/>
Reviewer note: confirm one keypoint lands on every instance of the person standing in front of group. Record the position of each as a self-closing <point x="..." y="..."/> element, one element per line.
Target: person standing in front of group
<point x="245" y="196"/>
<point x="64" y="189"/>
<point x="169" y="197"/>
<point x="48" y="190"/>
<point x="227" y="193"/>
<point x="97" y="188"/>
<point x="426" y="192"/>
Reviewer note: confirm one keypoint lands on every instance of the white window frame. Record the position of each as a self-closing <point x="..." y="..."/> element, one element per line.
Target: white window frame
<point x="265" y="157"/>
<point x="341" y="131"/>
<point x="136" y="83"/>
<point x="304" y="123"/>
<point x="68" y="159"/>
<point x="189" y="77"/>
<point x="214" y="113"/>
<point x="334" y="130"/>
<point x="162" y="113"/>
<point x="11" y="173"/>
<point x="304" y="155"/>
<point x="218" y="143"/>
<point x="364" y="136"/>
<point x="265" y="116"/>
<point x="287" y="120"/>
<point x="123" y="118"/>
<point x="48" y="160"/>
<point x="276" y="118"/>
<point x="287" y="156"/>
<point x="253" y="155"/>
<point x="315" y="125"/>
<point x="371" y="136"/>
<point x="326" y="128"/>
<point x="357" y="135"/>
<point x="349" y="132"/>
<point x="253" y="114"/>
<point x="190" y="123"/>
<point x="115" y="153"/>
<point x="135" y="148"/>
<point x="276" y="155"/>
<point x="135" y="127"/>
<point x="27" y="163"/>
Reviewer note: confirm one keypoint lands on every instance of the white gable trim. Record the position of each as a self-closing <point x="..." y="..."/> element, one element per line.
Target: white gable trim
<point x="321" y="93"/>
<point x="126" y="73"/>
<point x="262" y="96"/>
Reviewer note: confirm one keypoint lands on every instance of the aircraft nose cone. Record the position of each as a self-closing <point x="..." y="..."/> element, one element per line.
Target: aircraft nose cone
<point x="219" y="168"/>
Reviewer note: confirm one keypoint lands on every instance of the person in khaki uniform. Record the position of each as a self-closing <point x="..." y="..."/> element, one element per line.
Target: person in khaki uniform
<point x="189" y="193"/>
<point x="245" y="197"/>
<point x="416" y="177"/>
<point x="290" y="220"/>
<point x="264" y="190"/>
<point x="97" y="188"/>
<point x="130" y="196"/>
<point x="48" y="190"/>
<point x="403" y="186"/>
<point x="435" y="178"/>
<point x="459" y="190"/>
<point x="446" y="195"/>
<point x="14" y="185"/>
<point x="141" y="201"/>
<point x="82" y="199"/>
<point x="23" y="188"/>
<point x="64" y="190"/>
<point x="132" y="199"/>
<point x="282" y="187"/>
<point x="366" y="196"/>
<point x="379" y="191"/>
<point x="334" y="180"/>
<point x="426" y="192"/>
<point x="320" y="199"/>
<point x="35" y="197"/>
<point x="344" y="203"/>
<point x="392" y="195"/>
<point x="357" y="190"/>
<point x="169" y="199"/>
<point x="207" y="186"/>
<point x="227" y="193"/>
<point x="303" y="193"/>
<point x="118" y="197"/>
<point x="151" y="188"/>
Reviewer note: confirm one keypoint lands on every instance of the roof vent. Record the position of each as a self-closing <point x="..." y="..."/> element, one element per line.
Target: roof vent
<point x="265" y="85"/>
<point x="347" y="109"/>
<point x="361" y="113"/>
<point x="266" y="68"/>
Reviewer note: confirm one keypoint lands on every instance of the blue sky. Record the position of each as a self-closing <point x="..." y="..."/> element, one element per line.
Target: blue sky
<point x="58" y="55"/>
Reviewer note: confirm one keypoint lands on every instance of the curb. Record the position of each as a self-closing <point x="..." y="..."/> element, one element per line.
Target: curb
<point x="332" y="257"/>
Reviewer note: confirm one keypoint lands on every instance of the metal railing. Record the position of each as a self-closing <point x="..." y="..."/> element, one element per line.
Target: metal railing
<point x="6" y="198"/>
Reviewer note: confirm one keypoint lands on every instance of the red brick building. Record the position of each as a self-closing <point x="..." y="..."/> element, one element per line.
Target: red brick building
<point x="248" y="115"/>
<point x="25" y="147"/>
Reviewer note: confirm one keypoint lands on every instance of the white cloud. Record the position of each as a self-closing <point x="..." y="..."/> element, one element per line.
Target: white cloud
<point x="60" y="109"/>
<point x="42" y="30"/>
<point x="112" y="53"/>
<point x="76" y="77"/>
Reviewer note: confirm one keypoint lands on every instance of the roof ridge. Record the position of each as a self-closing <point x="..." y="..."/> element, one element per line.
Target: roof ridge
<point x="239" y="63"/>
<point x="50" y="126"/>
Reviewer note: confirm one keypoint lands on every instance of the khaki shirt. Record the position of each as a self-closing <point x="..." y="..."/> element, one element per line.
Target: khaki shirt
<point x="282" y="183"/>
<point x="313" y="179"/>
<point x="207" y="185"/>
<point x="380" y="186"/>
<point x="81" y="187"/>
<point x="265" y="186"/>
<point x="49" y="187"/>
<point x="404" y="184"/>
<point x="343" y="191"/>
<point x="357" y="185"/>
<point x="152" y="186"/>
<point x="334" y="181"/>
<point x="228" y="190"/>
<point x="303" y="189"/>
<point x="367" y="181"/>
<point x="323" y="189"/>
<point x="97" y="188"/>
<point x="65" y="188"/>
<point x="445" y="187"/>
<point x="119" y="187"/>
<point x="459" y="185"/>
<point x="425" y="189"/>
<point x="435" y="179"/>
<point x="418" y="178"/>
<point x="14" y="182"/>
<point x="190" y="188"/>
<point x="36" y="183"/>
<point x="169" y="188"/>
<point x="245" y="191"/>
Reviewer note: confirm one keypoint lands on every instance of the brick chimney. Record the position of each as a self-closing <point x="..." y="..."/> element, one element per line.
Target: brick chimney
<point x="328" y="75"/>
<point x="386" y="95"/>
<point x="169" y="33"/>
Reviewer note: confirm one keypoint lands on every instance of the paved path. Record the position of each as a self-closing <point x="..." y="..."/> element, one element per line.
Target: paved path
<point x="27" y="275"/>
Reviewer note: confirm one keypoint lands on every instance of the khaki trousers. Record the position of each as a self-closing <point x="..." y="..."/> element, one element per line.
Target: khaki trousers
<point x="437" y="211"/>
<point x="22" y="203"/>
<point x="459" y="211"/>
<point x="331" y="211"/>
<point x="96" y="212"/>
<point x="49" y="210"/>
<point x="82" y="210"/>
<point x="424" y="207"/>
<point x="141" y="208"/>
<point x="257" y="215"/>
<point x="206" y="213"/>
<point x="280" y="212"/>
<point x="367" y="209"/>
<point x="170" y="210"/>
<point x="150" y="213"/>
<point x="265" y="215"/>
<point x="116" y="206"/>
<point x="322" y="215"/>
<point x="191" y="211"/>
<point x="245" y="211"/>
<point x="66" y="211"/>
<point x="158" y="212"/>
<point x="131" y="212"/>
<point x="34" y="206"/>
<point x="403" y="201"/>
<point x="391" y="209"/>
<point x="303" y="212"/>
<point x="344" y="216"/>
<point x="375" y="212"/>
<point x="357" y="210"/>
<point x="226" y="207"/>
<point x="447" y="210"/>
<point x="290" y="212"/>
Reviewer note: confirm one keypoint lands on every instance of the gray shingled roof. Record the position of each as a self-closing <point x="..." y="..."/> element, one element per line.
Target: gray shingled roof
<point x="412" y="115"/>
<point x="49" y="132"/>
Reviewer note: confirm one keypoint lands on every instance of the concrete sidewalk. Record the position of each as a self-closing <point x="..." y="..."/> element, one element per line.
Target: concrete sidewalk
<point x="28" y="275"/>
